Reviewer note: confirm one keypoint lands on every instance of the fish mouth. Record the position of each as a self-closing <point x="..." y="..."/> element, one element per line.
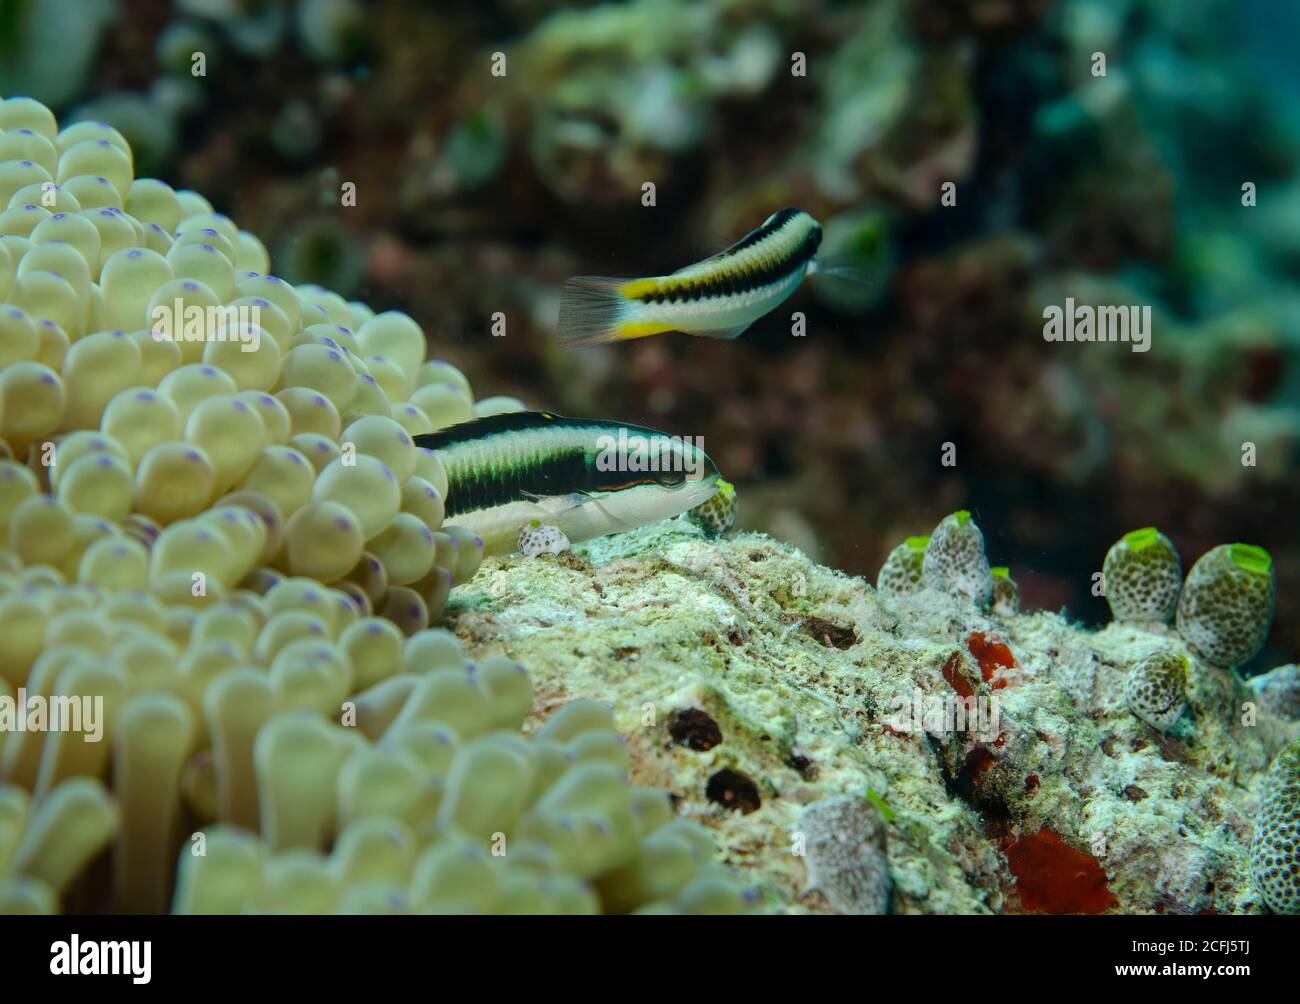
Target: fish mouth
<point x="701" y="490"/>
<point x="653" y="503"/>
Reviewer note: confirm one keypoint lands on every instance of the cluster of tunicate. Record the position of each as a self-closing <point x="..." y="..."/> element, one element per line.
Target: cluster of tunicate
<point x="1226" y="606"/>
<point x="215" y="521"/>
<point x="1156" y="689"/>
<point x="843" y="840"/>
<point x="1275" y="848"/>
<point x="1223" y="609"/>
<point x="1142" y="576"/>
<point x="541" y="538"/>
<point x="950" y="560"/>
<point x="717" y="515"/>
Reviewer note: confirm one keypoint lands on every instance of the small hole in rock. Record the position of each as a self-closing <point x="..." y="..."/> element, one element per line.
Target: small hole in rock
<point x="734" y="790"/>
<point x="694" y="728"/>
<point x="829" y="633"/>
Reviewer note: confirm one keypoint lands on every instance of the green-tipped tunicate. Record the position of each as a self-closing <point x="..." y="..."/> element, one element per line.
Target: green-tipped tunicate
<point x="954" y="561"/>
<point x="901" y="572"/>
<point x="1226" y="607"/>
<point x="1142" y="575"/>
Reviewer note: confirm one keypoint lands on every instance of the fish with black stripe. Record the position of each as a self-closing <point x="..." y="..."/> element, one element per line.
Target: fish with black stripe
<point x="716" y="298"/>
<point x="585" y="476"/>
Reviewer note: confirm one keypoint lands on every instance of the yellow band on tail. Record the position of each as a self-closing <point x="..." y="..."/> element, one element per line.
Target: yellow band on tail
<point x="639" y="329"/>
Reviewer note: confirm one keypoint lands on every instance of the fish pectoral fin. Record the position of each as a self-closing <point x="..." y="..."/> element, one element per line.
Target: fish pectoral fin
<point x="576" y="500"/>
<point x="560" y="504"/>
<point x="547" y="508"/>
<point x="735" y="332"/>
<point x="839" y="270"/>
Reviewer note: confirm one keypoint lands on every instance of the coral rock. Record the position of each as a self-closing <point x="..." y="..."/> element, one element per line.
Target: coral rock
<point x="1278" y="691"/>
<point x="715" y="625"/>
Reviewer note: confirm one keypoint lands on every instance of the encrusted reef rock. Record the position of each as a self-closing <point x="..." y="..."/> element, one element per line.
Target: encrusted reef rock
<point x="1040" y="791"/>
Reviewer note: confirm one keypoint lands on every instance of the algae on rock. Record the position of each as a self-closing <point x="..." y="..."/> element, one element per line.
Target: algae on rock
<point x="818" y="684"/>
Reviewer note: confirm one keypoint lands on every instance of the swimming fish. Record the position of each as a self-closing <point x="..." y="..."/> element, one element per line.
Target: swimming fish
<point x="585" y="476"/>
<point x="716" y="298"/>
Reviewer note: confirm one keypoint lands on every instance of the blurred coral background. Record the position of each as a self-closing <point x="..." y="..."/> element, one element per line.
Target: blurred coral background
<point x="478" y="194"/>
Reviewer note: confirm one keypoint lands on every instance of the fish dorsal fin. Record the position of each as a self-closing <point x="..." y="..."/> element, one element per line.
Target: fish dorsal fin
<point x="732" y="248"/>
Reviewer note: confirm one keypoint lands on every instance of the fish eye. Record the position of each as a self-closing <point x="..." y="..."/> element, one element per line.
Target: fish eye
<point x="672" y="479"/>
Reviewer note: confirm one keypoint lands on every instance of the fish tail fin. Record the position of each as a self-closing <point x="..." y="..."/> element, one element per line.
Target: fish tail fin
<point x="592" y="307"/>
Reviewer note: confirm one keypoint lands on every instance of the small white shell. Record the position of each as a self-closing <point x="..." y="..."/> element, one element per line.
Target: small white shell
<point x="541" y="538"/>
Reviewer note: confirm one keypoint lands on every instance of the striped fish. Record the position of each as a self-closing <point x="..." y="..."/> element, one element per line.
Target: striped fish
<point x="716" y="298"/>
<point x="588" y="477"/>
